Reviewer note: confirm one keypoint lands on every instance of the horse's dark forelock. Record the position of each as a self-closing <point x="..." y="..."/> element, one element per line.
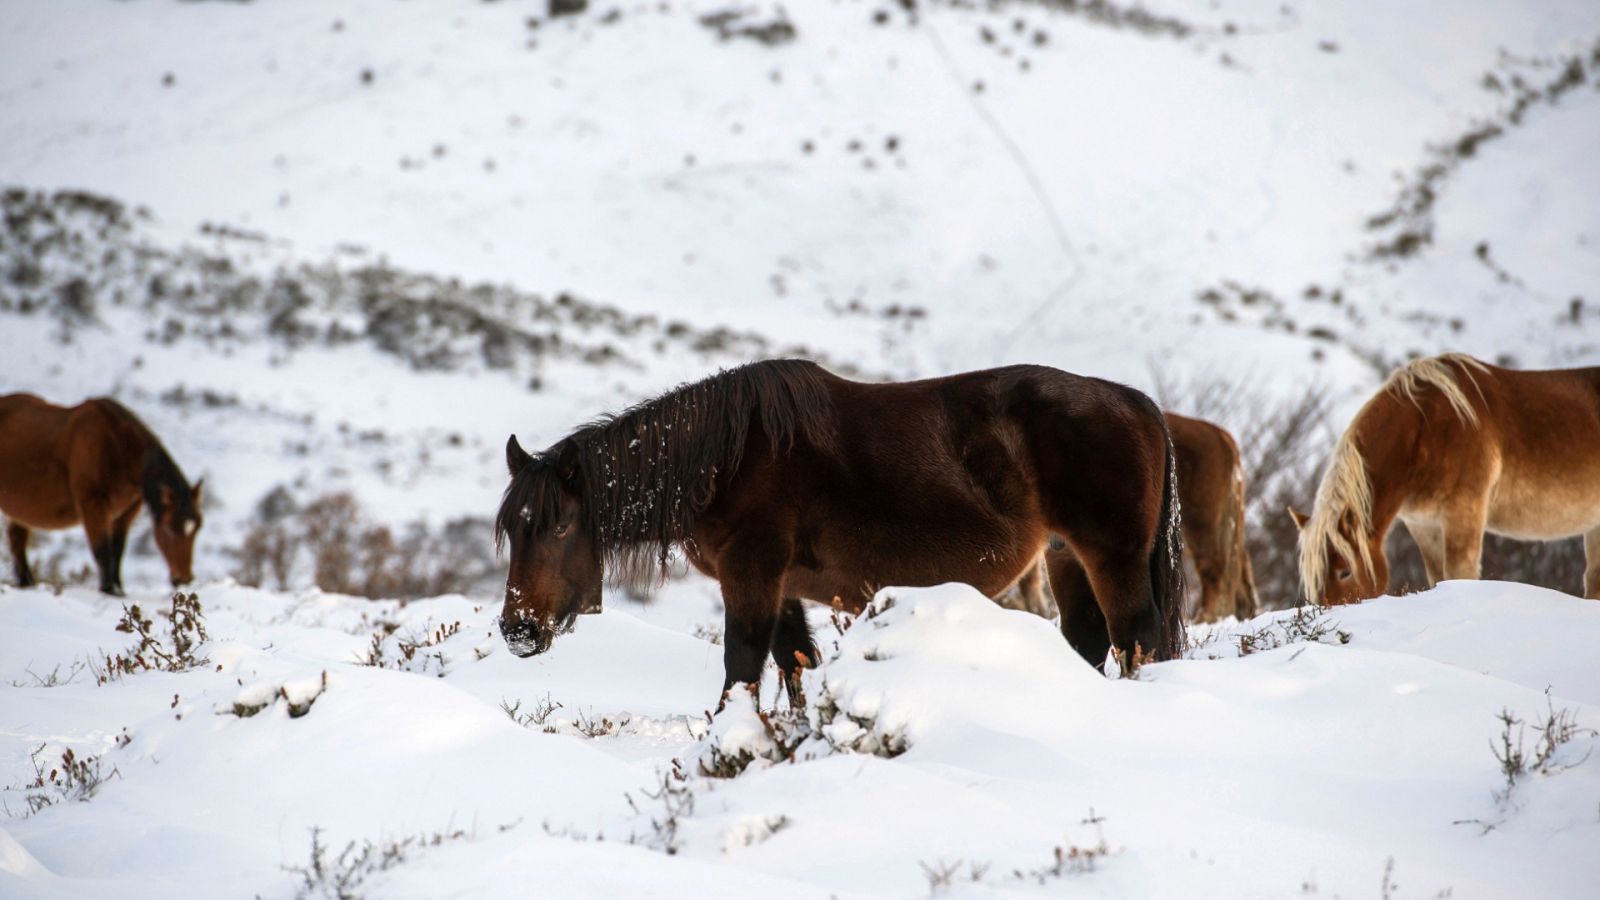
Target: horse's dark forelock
<point x="642" y="476"/>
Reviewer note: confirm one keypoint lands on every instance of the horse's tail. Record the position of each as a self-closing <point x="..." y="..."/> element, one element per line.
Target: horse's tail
<point x="1166" y="560"/>
<point x="1241" y="576"/>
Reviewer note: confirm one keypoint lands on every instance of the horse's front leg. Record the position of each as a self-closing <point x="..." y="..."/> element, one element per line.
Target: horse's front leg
<point x="17" y="533"/>
<point x="1429" y="538"/>
<point x="752" y="580"/>
<point x="1463" y="541"/>
<point x="97" y="528"/>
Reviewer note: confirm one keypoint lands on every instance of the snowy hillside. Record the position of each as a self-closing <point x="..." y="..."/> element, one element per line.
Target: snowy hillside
<point x="1079" y="182"/>
<point x="349" y="246"/>
<point x="953" y="748"/>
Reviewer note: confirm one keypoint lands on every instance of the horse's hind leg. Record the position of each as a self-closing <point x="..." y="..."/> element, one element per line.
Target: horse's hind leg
<point x="17" y="534"/>
<point x="793" y="649"/>
<point x="1122" y="588"/>
<point x="1591" y="556"/>
<point x="1211" y="566"/>
<point x="1082" y="622"/>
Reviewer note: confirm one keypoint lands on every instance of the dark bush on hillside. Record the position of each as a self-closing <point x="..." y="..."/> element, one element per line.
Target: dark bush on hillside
<point x="330" y="542"/>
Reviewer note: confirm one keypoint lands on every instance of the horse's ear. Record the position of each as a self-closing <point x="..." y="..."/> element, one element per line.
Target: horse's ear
<point x="516" y="457"/>
<point x="567" y="462"/>
<point x="195" y="491"/>
<point x="1300" y="518"/>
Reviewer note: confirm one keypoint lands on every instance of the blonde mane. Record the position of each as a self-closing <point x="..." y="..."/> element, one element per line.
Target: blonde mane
<point x="1345" y="494"/>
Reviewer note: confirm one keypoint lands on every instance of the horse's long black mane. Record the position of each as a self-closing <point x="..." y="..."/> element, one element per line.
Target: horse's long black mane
<point x="642" y="476"/>
<point x="157" y="469"/>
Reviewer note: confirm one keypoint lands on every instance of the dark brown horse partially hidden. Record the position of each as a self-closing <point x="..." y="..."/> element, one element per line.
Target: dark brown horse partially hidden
<point x="1211" y="488"/>
<point x="786" y="482"/>
<point x="95" y="464"/>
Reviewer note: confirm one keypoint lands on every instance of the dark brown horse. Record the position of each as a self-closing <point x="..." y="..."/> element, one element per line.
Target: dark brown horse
<point x="786" y="482"/>
<point x="1211" y="490"/>
<point x="95" y="464"/>
<point x="1454" y="447"/>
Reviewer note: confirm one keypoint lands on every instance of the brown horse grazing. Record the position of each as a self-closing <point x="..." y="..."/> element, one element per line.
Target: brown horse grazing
<point x="786" y="482"/>
<point x="1455" y="447"/>
<point x="94" y="463"/>
<point x="1211" y="491"/>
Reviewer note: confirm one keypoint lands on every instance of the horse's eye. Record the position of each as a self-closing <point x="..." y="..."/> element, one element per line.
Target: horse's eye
<point x="561" y="531"/>
<point x="1344" y="574"/>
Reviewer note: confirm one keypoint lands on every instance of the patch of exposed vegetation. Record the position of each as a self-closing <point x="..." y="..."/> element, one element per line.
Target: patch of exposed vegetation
<point x="70" y="779"/>
<point x="347" y="876"/>
<point x="75" y="257"/>
<point x="1407" y="225"/>
<point x="332" y="541"/>
<point x="173" y="648"/>
<point x="771" y="28"/>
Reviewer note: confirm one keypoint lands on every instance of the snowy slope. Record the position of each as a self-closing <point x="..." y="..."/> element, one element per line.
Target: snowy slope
<point x="1074" y="210"/>
<point x="1319" y="768"/>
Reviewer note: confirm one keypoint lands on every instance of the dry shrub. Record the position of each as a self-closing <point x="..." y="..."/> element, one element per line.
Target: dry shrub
<point x="332" y="543"/>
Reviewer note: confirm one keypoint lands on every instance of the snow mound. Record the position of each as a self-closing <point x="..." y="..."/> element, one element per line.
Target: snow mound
<point x="1448" y="743"/>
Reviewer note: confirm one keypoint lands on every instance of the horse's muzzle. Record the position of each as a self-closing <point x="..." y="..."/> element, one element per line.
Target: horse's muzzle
<point x="525" y="639"/>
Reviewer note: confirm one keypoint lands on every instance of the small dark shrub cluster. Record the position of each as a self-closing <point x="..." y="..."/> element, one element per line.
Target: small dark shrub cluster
<point x="73" y="778"/>
<point x="171" y="651"/>
<point x="331" y="542"/>
<point x="345" y="876"/>
<point x="409" y="650"/>
<point x="772" y="30"/>
<point x="674" y="795"/>
<point x="534" y="718"/>
<point x="1556" y="728"/>
<point x="1308" y="624"/>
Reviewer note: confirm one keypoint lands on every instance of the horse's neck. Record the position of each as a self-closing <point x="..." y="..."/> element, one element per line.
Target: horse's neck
<point x="1388" y="438"/>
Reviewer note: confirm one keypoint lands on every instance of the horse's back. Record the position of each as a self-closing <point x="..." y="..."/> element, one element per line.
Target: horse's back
<point x="34" y="461"/>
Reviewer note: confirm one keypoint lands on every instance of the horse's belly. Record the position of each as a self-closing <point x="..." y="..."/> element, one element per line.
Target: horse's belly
<point x="1546" y="508"/>
<point x="33" y="504"/>
<point x="854" y="577"/>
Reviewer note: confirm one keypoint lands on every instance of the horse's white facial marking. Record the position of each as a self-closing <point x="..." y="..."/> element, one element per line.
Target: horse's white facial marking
<point x="526" y="513"/>
<point x="189" y="526"/>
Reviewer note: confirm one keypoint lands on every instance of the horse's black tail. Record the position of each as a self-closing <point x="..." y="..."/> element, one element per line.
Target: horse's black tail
<point x="1166" y="560"/>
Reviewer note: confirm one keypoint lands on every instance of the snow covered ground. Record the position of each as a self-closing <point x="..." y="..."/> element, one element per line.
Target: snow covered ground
<point x="949" y="740"/>
<point x="1198" y="187"/>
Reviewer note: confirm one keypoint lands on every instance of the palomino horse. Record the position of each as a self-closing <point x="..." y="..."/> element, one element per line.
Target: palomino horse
<point x="1455" y="447"/>
<point x="94" y="463"/>
<point x="1211" y="490"/>
<point x="786" y="482"/>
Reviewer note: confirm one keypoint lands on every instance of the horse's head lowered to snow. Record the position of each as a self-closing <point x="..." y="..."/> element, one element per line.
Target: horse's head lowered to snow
<point x="175" y="520"/>
<point x="556" y="563"/>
